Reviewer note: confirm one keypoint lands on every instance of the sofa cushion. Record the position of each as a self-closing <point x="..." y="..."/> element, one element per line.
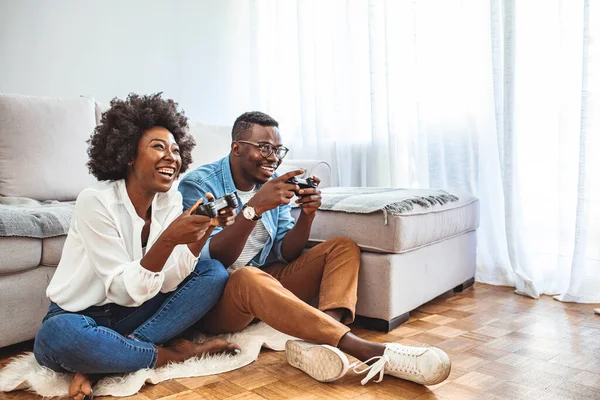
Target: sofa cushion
<point x="19" y="254"/>
<point x="52" y="250"/>
<point x="24" y="304"/>
<point x="43" y="149"/>
<point x="404" y="231"/>
<point x="390" y="285"/>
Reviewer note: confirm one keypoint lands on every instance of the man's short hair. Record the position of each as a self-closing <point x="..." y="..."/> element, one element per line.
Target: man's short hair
<point x="242" y="126"/>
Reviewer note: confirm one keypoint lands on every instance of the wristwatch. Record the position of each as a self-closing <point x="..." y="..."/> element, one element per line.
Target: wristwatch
<point x="249" y="213"/>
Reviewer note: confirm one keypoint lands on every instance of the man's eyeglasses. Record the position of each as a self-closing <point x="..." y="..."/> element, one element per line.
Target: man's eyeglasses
<point x="266" y="149"/>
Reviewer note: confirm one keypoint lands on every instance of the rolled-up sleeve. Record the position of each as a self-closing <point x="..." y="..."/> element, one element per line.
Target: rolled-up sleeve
<point x="125" y="281"/>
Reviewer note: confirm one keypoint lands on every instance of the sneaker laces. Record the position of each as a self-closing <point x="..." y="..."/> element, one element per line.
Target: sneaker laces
<point x="378" y="367"/>
<point x="407" y="361"/>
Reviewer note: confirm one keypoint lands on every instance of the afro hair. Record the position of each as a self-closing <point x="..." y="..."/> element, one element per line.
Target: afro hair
<point x="113" y="145"/>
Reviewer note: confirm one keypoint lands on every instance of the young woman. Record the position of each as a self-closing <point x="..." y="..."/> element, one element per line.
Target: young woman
<point x="129" y="272"/>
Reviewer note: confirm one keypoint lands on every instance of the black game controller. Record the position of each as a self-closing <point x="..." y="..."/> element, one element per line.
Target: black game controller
<point x="303" y="183"/>
<point x="212" y="207"/>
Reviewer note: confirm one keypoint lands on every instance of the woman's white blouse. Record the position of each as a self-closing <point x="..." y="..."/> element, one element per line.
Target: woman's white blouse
<point x="100" y="262"/>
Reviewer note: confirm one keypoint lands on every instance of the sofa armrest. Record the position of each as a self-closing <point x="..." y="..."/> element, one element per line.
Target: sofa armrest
<point x="317" y="168"/>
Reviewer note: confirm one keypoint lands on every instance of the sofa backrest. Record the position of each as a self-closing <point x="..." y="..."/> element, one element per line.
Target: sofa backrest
<point x="43" y="146"/>
<point x="213" y="142"/>
<point x="43" y="149"/>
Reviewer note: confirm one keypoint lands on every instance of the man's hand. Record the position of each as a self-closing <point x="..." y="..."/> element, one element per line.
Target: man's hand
<point x="295" y="239"/>
<point x="275" y="193"/>
<point x="310" y="199"/>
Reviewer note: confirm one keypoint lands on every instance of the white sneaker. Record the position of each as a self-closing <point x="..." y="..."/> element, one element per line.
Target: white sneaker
<point x="424" y="365"/>
<point x="322" y="362"/>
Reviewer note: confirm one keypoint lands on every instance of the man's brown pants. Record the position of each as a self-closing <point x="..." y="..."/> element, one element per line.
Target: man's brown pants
<point x="278" y="294"/>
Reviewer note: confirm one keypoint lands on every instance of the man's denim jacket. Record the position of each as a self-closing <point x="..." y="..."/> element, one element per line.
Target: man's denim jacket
<point x="216" y="178"/>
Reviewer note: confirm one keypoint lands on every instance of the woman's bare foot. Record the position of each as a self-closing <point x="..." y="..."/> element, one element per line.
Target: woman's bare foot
<point x="80" y="386"/>
<point x="181" y="349"/>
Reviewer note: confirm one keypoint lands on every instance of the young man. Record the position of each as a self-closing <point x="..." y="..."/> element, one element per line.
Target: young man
<point x="272" y="278"/>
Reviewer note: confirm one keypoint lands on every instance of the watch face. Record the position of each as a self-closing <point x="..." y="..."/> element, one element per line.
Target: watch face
<point x="248" y="212"/>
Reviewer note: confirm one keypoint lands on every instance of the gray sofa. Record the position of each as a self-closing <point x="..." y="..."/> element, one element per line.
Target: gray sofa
<point x="42" y="170"/>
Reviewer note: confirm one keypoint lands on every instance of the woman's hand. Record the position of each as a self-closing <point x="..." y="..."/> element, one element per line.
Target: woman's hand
<point x="226" y="216"/>
<point x="188" y="227"/>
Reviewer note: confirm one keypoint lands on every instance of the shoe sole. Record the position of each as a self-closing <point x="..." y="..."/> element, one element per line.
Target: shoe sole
<point x="321" y="362"/>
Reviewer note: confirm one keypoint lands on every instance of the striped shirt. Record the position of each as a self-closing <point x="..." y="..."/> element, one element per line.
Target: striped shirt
<point x="256" y="240"/>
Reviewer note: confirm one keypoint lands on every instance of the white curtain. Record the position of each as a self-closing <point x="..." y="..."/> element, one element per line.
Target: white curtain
<point x="496" y="97"/>
<point x="548" y="132"/>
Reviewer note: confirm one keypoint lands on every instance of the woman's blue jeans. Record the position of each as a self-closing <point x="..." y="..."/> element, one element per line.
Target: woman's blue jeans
<point x="115" y="339"/>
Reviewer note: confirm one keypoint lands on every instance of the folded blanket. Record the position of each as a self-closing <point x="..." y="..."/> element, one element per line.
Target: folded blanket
<point x="364" y="200"/>
<point x="24" y="217"/>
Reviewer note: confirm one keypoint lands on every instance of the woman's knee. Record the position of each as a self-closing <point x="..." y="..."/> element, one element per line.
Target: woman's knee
<point x="219" y="272"/>
<point x="44" y="343"/>
<point x="57" y="337"/>
<point x="213" y="269"/>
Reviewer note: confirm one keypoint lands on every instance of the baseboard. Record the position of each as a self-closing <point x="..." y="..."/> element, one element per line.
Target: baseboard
<point x="464" y="285"/>
<point x="382" y="325"/>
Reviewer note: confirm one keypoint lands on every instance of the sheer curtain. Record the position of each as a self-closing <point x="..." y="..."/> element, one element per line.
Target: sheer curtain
<point x="495" y="97"/>
<point x="549" y="143"/>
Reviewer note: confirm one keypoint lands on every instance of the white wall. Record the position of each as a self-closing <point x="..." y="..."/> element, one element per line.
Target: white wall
<point x="109" y="48"/>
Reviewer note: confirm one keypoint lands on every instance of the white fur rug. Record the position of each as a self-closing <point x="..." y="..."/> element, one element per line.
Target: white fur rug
<point x="24" y="373"/>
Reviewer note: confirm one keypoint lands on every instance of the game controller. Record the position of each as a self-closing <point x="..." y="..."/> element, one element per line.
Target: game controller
<point x="212" y="207"/>
<point x="307" y="183"/>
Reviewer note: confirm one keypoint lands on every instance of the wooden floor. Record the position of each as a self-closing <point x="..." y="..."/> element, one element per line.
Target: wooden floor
<point x="503" y="346"/>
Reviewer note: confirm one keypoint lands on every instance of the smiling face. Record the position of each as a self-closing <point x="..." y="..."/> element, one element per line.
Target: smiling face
<point x="157" y="162"/>
<point x="255" y="168"/>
